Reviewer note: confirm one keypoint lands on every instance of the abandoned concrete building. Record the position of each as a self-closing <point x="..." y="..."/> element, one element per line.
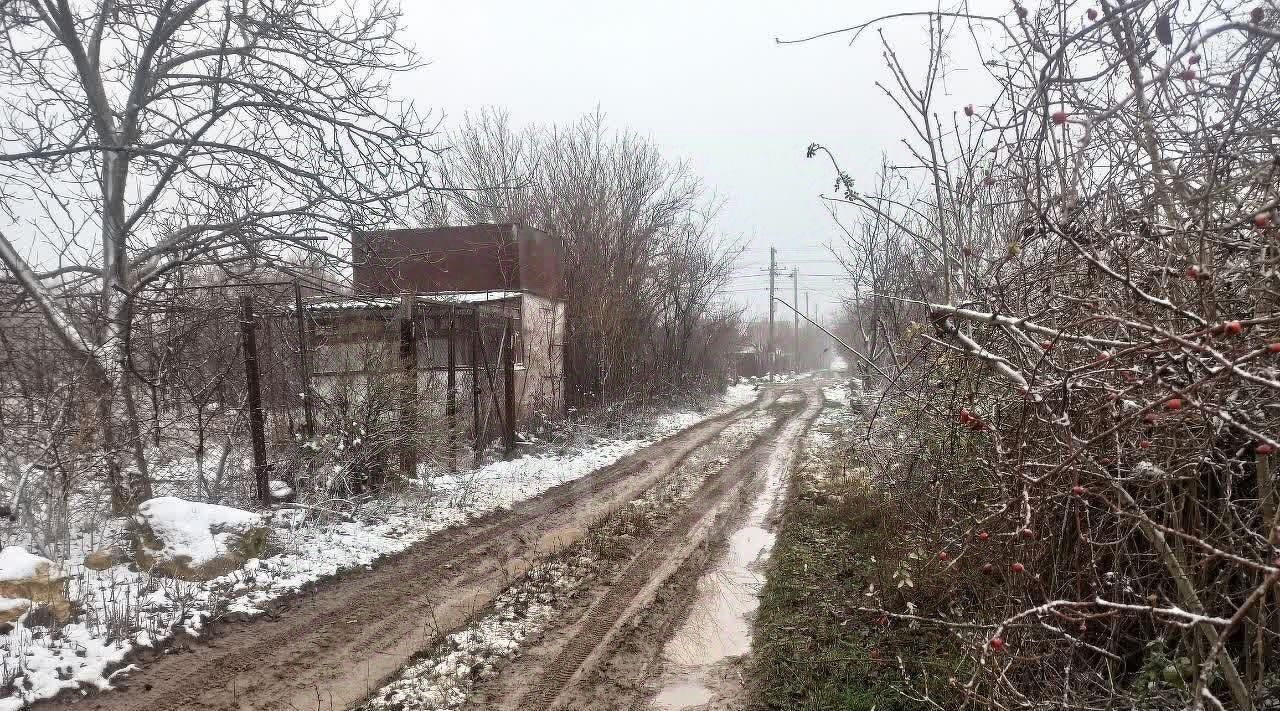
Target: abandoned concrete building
<point x="466" y="288"/>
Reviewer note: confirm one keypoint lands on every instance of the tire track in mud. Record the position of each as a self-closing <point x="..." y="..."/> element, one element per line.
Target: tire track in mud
<point x="633" y="590"/>
<point x="329" y="647"/>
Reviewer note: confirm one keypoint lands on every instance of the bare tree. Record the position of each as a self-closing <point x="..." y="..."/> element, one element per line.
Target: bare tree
<point x="145" y="137"/>
<point x="643" y="261"/>
<point x="1079" y="304"/>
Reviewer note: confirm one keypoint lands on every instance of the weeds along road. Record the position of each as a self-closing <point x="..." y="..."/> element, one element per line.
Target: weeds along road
<point x="331" y="647"/>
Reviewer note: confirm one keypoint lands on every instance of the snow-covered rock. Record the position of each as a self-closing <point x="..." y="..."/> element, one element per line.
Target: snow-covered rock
<point x="280" y="490"/>
<point x="11" y="608"/>
<point x="195" y="541"/>
<point x="33" y="580"/>
<point x="104" y="558"/>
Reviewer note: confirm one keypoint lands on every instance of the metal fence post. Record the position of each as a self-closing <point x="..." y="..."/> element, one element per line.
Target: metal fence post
<point x="304" y="362"/>
<point x="451" y="396"/>
<point x="477" y="432"/>
<point x="509" y="386"/>
<point x="409" y="389"/>
<point x="257" y="423"/>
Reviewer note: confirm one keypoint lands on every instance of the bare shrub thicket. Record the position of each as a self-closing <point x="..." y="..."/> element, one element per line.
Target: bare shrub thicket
<point x="1068" y="300"/>
<point x="144" y="139"/>
<point x="643" y="262"/>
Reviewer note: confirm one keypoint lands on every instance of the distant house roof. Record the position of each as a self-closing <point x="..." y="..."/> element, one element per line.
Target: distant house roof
<point x="474" y="258"/>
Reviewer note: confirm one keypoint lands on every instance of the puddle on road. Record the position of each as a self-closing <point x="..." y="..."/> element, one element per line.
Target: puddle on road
<point x="719" y="623"/>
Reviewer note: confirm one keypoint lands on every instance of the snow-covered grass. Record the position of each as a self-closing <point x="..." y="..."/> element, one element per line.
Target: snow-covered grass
<point x="122" y="609"/>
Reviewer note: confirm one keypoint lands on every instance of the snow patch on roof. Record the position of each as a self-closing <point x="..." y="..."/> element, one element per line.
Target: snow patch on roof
<point x="391" y="302"/>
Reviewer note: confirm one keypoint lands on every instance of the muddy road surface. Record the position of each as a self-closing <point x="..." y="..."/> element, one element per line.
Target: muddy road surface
<point x="667" y="626"/>
<point x="337" y="644"/>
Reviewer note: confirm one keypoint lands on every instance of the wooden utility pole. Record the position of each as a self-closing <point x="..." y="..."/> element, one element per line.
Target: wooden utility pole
<point x="304" y="362"/>
<point x="808" y="315"/>
<point x="408" y="390"/>
<point x="795" y="320"/>
<point x="257" y="423"/>
<point x="773" y="270"/>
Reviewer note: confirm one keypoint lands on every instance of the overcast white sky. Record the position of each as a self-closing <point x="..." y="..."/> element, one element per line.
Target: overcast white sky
<point x="705" y="80"/>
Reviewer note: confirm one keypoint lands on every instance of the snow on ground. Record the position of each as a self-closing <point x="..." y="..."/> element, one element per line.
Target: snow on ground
<point x="123" y="609"/>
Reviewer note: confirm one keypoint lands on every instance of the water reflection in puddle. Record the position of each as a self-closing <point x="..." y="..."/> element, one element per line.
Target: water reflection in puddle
<point x="719" y="623"/>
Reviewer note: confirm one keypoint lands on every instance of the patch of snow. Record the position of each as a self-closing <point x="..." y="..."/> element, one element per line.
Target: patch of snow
<point x="13" y="603"/>
<point x="195" y="531"/>
<point x="279" y="489"/>
<point x="17" y="564"/>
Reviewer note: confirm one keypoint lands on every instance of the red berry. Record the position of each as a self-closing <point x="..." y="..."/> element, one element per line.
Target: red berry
<point x="1060" y="117"/>
<point x="968" y="110"/>
<point x="1149" y="418"/>
<point x="1261" y="220"/>
<point x="987" y="568"/>
<point x="984" y="536"/>
<point x="1233" y="328"/>
<point x="1193" y="272"/>
<point x="1077" y="490"/>
<point x="1273" y="348"/>
<point x="1092" y="14"/>
<point x="1027" y="533"/>
<point x="1264" y="449"/>
<point x="989" y="180"/>
<point x="1144" y="443"/>
<point x="1174" y="404"/>
<point x="1105" y="461"/>
<point x="1188" y="74"/>
<point x="1047" y="345"/>
<point x="942" y="555"/>
<point x="1256" y="15"/>
<point x="1019" y="568"/>
<point x="997" y="643"/>
<point x="1193" y="59"/>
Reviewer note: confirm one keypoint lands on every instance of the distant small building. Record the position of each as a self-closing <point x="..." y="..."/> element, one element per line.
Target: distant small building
<point x="508" y="269"/>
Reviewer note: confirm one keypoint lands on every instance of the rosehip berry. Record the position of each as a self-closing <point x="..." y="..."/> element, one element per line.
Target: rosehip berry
<point x="984" y="536"/>
<point x="1019" y="568"/>
<point x="1174" y="404"/>
<point x="997" y="643"/>
<point x="1077" y="490"/>
<point x="1092" y="14"/>
<point x="1273" y="348"/>
<point x="1060" y="117"/>
<point x="1264" y="449"/>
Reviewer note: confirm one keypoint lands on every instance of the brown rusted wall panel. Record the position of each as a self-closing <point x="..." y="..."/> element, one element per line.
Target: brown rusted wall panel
<point x="473" y="258"/>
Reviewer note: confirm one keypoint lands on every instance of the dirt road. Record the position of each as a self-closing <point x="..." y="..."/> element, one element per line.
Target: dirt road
<point x="332" y="647"/>
<point x="611" y="650"/>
